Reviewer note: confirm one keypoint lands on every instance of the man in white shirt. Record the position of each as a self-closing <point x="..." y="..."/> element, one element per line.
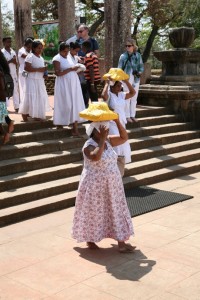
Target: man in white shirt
<point x="10" y="56"/>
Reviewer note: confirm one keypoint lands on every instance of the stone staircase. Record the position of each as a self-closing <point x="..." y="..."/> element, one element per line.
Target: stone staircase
<point x="40" y="168"/>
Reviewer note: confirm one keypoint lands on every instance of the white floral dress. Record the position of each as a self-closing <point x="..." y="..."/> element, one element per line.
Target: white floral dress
<point x="101" y="210"/>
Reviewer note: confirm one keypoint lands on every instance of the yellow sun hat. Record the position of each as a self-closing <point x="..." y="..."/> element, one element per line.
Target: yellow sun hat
<point x="116" y="74"/>
<point x="98" y="111"/>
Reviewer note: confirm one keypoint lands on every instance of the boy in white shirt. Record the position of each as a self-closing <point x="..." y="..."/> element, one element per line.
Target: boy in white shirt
<point x="10" y="56"/>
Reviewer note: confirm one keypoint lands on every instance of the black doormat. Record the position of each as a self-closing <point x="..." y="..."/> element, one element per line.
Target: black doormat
<point x="144" y="199"/>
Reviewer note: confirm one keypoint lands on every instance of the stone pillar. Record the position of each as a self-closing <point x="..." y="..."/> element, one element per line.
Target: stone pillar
<point x="23" y="23"/>
<point x="66" y="16"/>
<point x="117" y="29"/>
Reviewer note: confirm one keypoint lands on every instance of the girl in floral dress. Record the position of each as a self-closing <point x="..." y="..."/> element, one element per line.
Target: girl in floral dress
<point x="101" y="210"/>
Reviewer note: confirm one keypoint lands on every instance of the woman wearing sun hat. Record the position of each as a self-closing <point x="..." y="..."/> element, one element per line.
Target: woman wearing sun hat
<point x="131" y="63"/>
<point x="101" y="210"/>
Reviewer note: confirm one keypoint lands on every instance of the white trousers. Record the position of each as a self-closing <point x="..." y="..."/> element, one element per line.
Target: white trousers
<point x="130" y="108"/>
<point x="15" y="96"/>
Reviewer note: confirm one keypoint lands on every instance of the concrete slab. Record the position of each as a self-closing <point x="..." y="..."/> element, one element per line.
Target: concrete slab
<point x="40" y="260"/>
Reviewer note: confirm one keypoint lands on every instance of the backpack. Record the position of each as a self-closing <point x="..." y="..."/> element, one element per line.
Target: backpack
<point x="9" y="85"/>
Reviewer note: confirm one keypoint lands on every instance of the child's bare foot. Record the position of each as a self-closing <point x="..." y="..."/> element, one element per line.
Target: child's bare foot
<point x="11" y="127"/>
<point x="92" y="246"/>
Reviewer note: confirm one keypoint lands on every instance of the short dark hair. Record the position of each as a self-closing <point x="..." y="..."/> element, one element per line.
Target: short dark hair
<point x="6" y="38"/>
<point x="63" y="46"/>
<point x="28" y="41"/>
<point x="87" y="45"/>
<point x="74" y="45"/>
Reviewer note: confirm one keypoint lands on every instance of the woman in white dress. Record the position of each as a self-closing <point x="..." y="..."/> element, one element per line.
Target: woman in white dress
<point x="35" y="102"/>
<point x="68" y="98"/>
<point x="117" y="101"/>
<point x="22" y="54"/>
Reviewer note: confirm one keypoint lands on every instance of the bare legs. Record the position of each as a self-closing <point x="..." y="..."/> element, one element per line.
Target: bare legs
<point x="75" y="132"/>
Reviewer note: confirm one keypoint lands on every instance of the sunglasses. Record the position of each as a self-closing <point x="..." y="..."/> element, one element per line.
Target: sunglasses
<point x="80" y="31"/>
<point x="128" y="46"/>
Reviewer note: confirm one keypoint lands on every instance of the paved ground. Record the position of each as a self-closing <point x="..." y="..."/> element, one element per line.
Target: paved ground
<point x="40" y="260"/>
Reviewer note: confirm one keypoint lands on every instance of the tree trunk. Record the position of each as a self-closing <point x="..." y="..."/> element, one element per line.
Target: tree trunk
<point x="117" y="29"/>
<point x="22" y="17"/>
<point x="1" y="30"/>
<point x="149" y="43"/>
<point x="66" y="16"/>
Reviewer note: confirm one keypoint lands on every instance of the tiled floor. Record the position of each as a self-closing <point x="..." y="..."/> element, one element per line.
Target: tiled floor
<point x="40" y="260"/>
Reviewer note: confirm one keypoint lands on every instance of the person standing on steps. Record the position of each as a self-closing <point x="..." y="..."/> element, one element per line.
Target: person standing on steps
<point x="68" y="98"/>
<point x="22" y="54"/>
<point x="4" y="117"/>
<point x="131" y="63"/>
<point x="92" y="74"/>
<point x="116" y="99"/>
<point x="35" y="102"/>
<point x="11" y="58"/>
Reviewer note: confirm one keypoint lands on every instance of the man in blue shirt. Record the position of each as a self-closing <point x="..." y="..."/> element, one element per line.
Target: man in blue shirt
<point x="83" y="32"/>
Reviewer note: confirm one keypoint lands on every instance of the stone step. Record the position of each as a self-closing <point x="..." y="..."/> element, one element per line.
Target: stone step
<point x="65" y="143"/>
<point x="38" y="191"/>
<point x="38" y="134"/>
<point x="36" y="208"/>
<point x="167" y="149"/>
<point x="41" y="147"/>
<point x="156" y="120"/>
<point x="46" y="205"/>
<point x="159" y="162"/>
<point x="30" y="163"/>
<point x="162" y="174"/>
<point x="151" y="111"/>
<point x="41" y="134"/>
<point x="159" y="129"/>
<point x="163" y="139"/>
<point x="38" y="176"/>
<point x="28" y="126"/>
<point x="41" y="183"/>
<point x="27" y="163"/>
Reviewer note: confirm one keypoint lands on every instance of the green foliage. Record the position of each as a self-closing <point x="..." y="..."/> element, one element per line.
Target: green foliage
<point x="7" y="21"/>
<point x="45" y="10"/>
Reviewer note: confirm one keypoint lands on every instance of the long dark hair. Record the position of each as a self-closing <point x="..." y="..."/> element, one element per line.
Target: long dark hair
<point x="35" y="44"/>
<point x="4" y="64"/>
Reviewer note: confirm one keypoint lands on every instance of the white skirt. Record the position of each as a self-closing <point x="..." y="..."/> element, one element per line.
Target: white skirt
<point x="68" y="100"/>
<point x="35" y="102"/>
<point x="121" y="150"/>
